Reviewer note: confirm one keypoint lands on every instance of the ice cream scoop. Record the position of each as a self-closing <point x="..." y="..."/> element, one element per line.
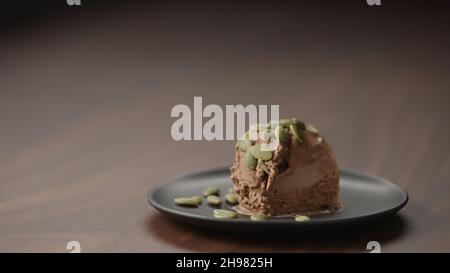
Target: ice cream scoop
<point x="300" y="176"/>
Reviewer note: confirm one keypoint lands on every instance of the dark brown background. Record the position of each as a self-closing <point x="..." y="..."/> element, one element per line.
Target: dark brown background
<point x="86" y="94"/>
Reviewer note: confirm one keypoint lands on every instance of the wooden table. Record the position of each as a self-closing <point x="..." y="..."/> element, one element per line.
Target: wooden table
<point x="85" y="102"/>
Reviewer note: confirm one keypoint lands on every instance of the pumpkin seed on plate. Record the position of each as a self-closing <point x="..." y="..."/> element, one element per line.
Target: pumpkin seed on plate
<point x="186" y="201"/>
<point x="198" y="199"/>
<point x="222" y="216"/>
<point x="250" y="160"/>
<point x="301" y="218"/>
<point x="257" y="153"/>
<point x="222" y="213"/>
<point x="231" y="198"/>
<point x="213" y="200"/>
<point x="258" y="217"/>
<point x="211" y="191"/>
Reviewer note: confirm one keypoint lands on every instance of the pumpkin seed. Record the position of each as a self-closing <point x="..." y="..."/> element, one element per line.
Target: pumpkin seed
<point x="250" y="160"/>
<point x="231" y="190"/>
<point x="258" y="217"/>
<point x="211" y="191"/>
<point x="220" y="216"/>
<point x="301" y="218"/>
<point x="257" y="153"/>
<point x="285" y="122"/>
<point x="300" y="125"/>
<point x="312" y="129"/>
<point x="243" y="145"/>
<point x="298" y="135"/>
<point x="198" y="199"/>
<point x="263" y="166"/>
<point x="222" y="213"/>
<point x="186" y="201"/>
<point x="231" y="198"/>
<point x="214" y="200"/>
<point x="280" y="133"/>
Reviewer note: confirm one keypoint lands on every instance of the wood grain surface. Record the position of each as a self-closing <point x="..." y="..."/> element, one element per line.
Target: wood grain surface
<point x="85" y="104"/>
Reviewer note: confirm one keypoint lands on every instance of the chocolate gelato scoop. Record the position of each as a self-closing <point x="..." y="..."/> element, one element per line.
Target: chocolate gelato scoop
<point x="299" y="175"/>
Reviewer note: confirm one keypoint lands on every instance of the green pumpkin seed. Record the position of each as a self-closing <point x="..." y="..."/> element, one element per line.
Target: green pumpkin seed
<point x="281" y="133"/>
<point x="257" y="153"/>
<point x="231" y="190"/>
<point x="186" y="201"/>
<point x="263" y="166"/>
<point x="300" y="125"/>
<point x="211" y="191"/>
<point x="222" y="216"/>
<point x="244" y="142"/>
<point x="214" y="200"/>
<point x="222" y="213"/>
<point x="231" y="198"/>
<point x="198" y="199"/>
<point x="243" y="145"/>
<point x="301" y="218"/>
<point x="285" y="122"/>
<point x="298" y="135"/>
<point x="312" y="129"/>
<point x="258" y="217"/>
<point x="250" y="160"/>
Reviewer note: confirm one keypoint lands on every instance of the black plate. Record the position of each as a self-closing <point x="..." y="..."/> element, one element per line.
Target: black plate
<point x="365" y="197"/>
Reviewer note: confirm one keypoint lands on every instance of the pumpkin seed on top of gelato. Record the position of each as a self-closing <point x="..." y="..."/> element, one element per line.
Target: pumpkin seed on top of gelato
<point x="250" y="160"/>
<point x="259" y="154"/>
<point x="310" y="128"/>
<point x="297" y="133"/>
<point x="281" y="133"/>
